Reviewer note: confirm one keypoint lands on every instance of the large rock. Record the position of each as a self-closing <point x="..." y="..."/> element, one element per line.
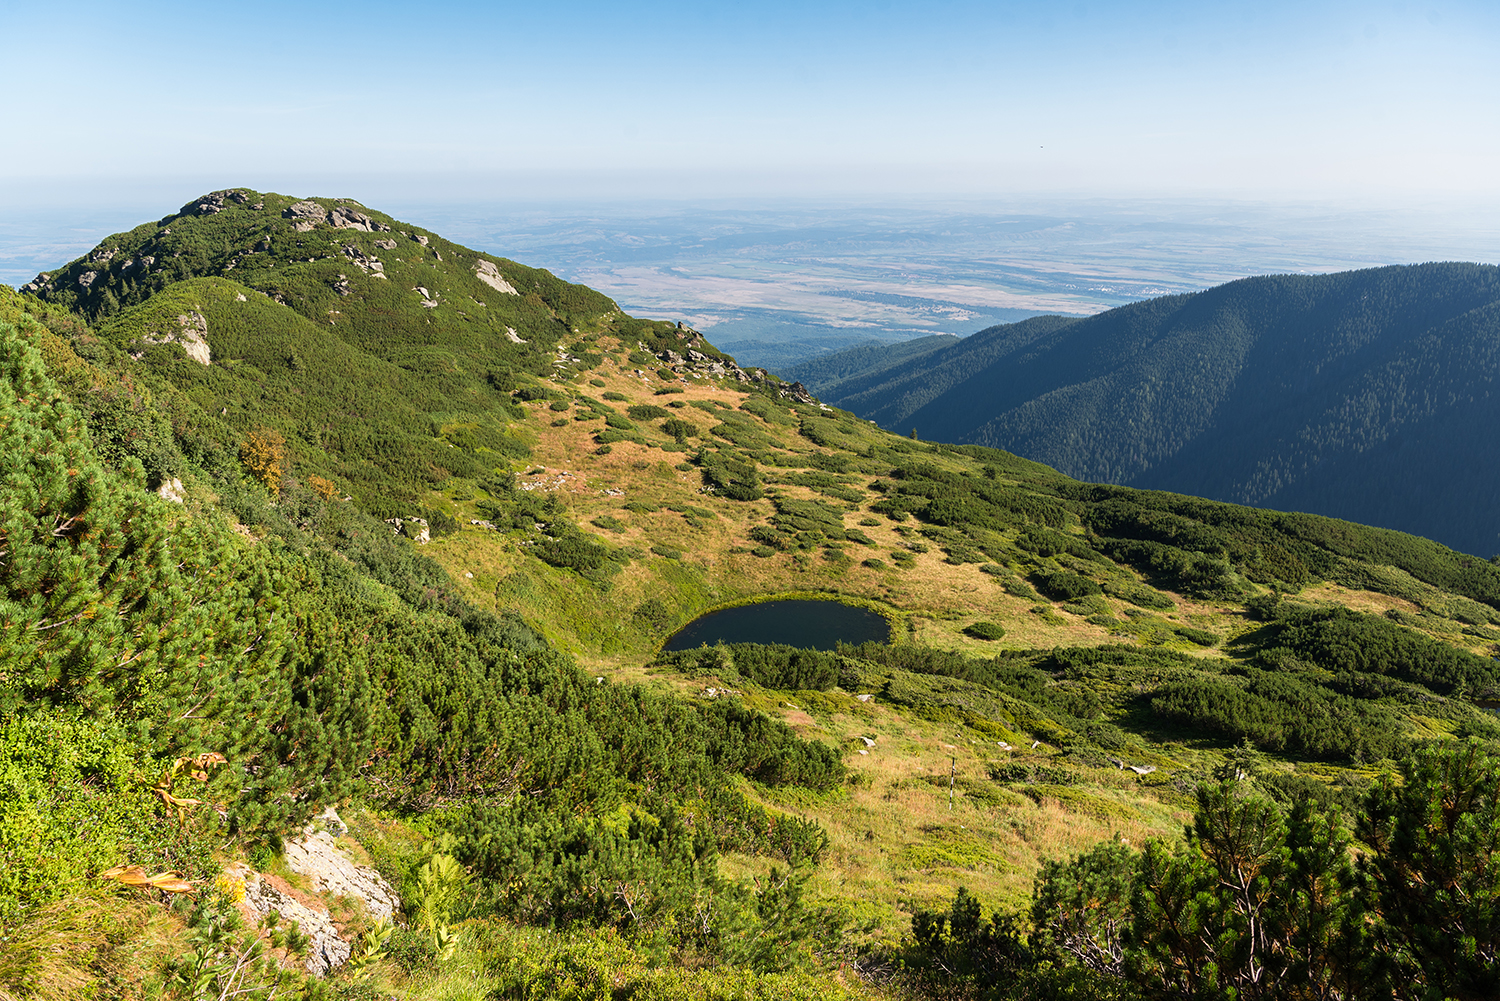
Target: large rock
<point x="264" y="894"/>
<point x="343" y="217"/>
<point x="306" y="215"/>
<point x="324" y="861"/>
<point x="487" y="272"/>
<point x="329" y="869"/>
<point x="191" y="333"/>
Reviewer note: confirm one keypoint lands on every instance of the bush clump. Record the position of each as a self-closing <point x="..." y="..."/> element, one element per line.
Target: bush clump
<point x="985" y="631"/>
<point x="1064" y="585"/>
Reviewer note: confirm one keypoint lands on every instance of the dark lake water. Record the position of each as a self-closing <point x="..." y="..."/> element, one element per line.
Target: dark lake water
<point x="817" y="625"/>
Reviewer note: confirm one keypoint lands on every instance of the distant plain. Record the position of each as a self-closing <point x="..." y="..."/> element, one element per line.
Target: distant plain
<point x="774" y="282"/>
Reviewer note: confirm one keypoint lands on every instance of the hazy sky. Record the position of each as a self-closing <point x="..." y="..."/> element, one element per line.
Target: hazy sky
<point x="1390" y="102"/>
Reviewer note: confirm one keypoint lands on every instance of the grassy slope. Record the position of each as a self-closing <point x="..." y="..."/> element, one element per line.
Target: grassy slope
<point x="897" y="844"/>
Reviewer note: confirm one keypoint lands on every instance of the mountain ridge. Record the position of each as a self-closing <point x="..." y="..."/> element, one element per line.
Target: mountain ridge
<point x="1243" y="392"/>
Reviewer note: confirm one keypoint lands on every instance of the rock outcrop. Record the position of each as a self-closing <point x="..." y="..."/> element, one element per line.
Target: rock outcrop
<point x="318" y="856"/>
<point x="706" y="366"/>
<point x="263" y="895"/>
<point x="487" y="272"/>
<point x="214" y="202"/>
<point x="306" y="215"/>
<point x="191" y="333"/>
<point x="343" y="217"/>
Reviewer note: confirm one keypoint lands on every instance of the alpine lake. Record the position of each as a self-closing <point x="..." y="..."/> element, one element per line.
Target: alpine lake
<point x="809" y="624"/>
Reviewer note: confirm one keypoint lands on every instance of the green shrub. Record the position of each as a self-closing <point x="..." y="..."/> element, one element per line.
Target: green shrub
<point x="646" y="412"/>
<point x="1064" y="585"/>
<point x="985" y="631"/>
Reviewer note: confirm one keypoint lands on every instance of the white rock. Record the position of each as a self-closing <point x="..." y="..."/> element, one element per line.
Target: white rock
<point x="319" y="857"/>
<point x="487" y="272"/>
<point x="306" y="215"/>
<point x="346" y="218"/>
<point x="327" y="949"/>
<point x="171" y="490"/>
<point x="191" y="333"/>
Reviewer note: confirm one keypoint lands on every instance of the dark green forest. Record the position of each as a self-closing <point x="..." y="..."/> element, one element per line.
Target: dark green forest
<point x="1364" y="395"/>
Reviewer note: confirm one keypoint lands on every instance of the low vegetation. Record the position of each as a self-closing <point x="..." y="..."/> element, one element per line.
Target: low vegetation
<point x="1096" y="703"/>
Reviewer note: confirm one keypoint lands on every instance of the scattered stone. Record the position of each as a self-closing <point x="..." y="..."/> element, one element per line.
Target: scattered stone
<point x="171" y="490"/>
<point x="240" y="297"/>
<point x="414" y="529"/>
<point x="868" y="741"/>
<point x="487" y="272"/>
<point x="515" y="338"/>
<point x="1143" y="769"/>
<point x="365" y="262"/>
<point x="864" y="698"/>
<point x="386" y="244"/>
<point x="420" y="239"/>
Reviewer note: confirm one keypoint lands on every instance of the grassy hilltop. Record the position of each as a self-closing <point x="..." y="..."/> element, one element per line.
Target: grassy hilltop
<point x="1072" y="665"/>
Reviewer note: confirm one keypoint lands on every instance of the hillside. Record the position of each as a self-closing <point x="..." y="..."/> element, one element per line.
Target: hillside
<point x="831" y="371"/>
<point x="1361" y="395"/>
<point x="410" y="546"/>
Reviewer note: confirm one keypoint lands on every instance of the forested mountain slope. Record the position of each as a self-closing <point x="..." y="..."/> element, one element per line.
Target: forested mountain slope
<point x="1366" y="395"/>
<point x="278" y="534"/>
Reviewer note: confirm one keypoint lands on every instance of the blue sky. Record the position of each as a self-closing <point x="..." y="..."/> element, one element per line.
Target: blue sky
<point x="1394" y="103"/>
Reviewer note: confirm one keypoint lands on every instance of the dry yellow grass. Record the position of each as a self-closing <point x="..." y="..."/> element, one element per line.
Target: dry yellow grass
<point x="896" y="845"/>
